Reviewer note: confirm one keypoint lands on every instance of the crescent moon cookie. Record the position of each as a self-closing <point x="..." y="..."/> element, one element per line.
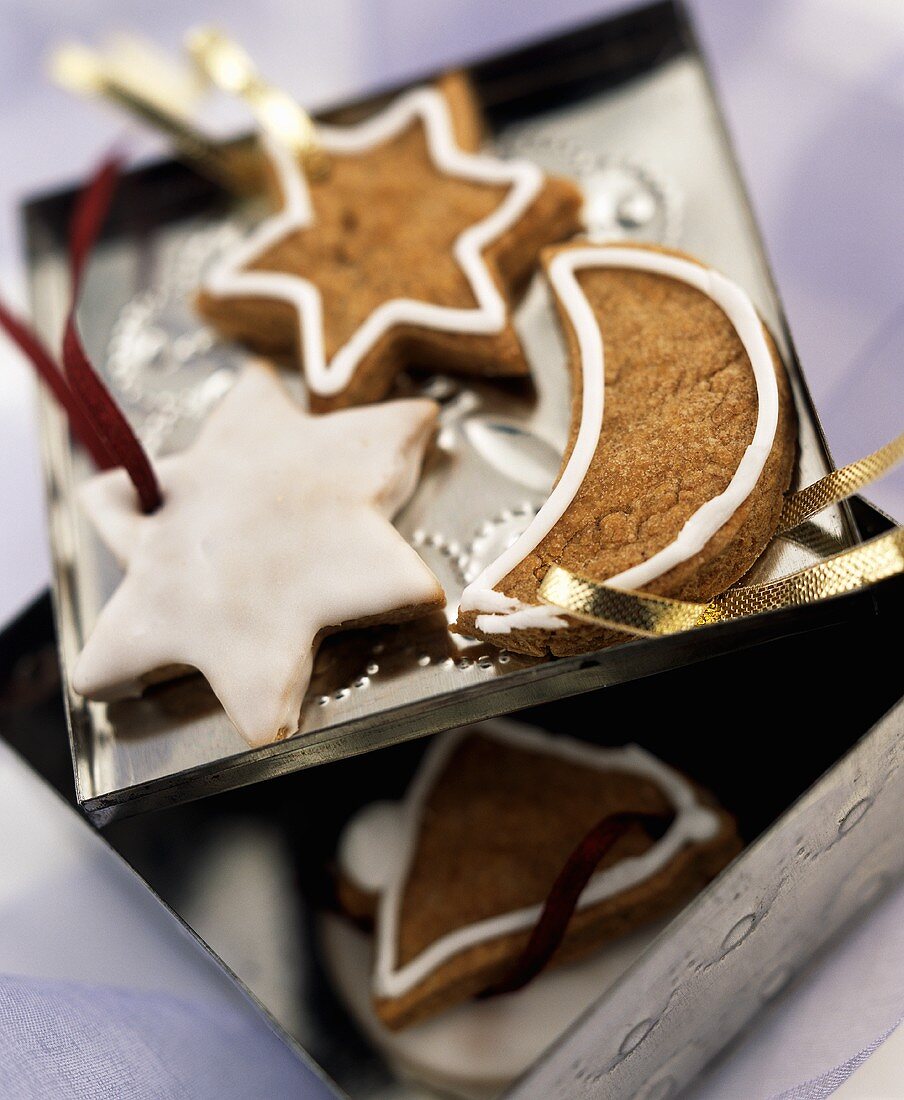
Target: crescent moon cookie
<point x="274" y="529"/>
<point x="409" y="251"/>
<point x="455" y="876"/>
<point x="682" y="445"/>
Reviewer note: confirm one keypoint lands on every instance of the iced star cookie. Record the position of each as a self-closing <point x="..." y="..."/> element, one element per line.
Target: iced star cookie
<point x="408" y="251"/>
<point x="274" y="530"/>
<point x="682" y="445"/>
<point x="454" y="877"/>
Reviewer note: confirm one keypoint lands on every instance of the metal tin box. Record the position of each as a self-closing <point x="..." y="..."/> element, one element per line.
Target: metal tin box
<point x="813" y="776"/>
<point x="745" y="707"/>
<point x="626" y="108"/>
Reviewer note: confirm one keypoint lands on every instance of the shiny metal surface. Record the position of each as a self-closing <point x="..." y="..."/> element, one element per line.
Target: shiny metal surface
<point x="497" y="455"/>
<point x="740" y="942"/>
<point x="255" y="877"/>
<point x="722" y="958"/>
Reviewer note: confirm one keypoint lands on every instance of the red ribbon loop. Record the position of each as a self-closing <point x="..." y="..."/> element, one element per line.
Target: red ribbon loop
<point x="562" y="900"/>
<point x="94" y="416"/>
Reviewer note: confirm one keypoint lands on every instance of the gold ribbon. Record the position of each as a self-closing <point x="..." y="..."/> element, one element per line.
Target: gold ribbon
<point x="132" y="79"/>
<point x="839" y="485"/>
<point x="136" y="79"/>
<point x="654" y="616"/>
<point x="228" y="67"/>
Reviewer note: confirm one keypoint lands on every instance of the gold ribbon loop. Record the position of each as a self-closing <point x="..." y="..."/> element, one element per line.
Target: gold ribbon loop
<point x="228" y="67"/>
<point x="634" y="612"/>
<point x="134" y="79"/>
<point x="654" y="616"/>
<point x="839" y="485"/>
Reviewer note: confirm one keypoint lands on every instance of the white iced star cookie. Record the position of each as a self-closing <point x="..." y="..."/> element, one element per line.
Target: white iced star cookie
<point x="410" y="250"/>
<point x="274" y="529"/>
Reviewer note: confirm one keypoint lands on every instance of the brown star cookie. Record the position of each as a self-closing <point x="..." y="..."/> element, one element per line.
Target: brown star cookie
<point x="677" y="461"/>
<point x="455" y="876"/>
<point x="408" y="251"/>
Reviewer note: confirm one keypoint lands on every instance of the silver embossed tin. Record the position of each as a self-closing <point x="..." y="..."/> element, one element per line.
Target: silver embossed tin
<point x="743" y="940"/>
<point x="626" y="108"/>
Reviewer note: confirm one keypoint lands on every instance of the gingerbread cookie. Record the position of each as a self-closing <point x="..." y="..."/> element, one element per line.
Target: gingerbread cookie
<point x="678" y="458"/>
<point x="408" y="251"/>
<point x="274" y="529"/>
<point x="455" y="876"/>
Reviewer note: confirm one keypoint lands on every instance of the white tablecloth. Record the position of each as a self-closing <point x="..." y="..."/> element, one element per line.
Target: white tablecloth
<point x="103" y="993"/>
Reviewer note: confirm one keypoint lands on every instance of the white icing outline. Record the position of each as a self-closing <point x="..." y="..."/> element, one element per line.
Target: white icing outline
<point x="501" y="613"/>
<point x="692" y="822"/>
<point x="229" y="280"/>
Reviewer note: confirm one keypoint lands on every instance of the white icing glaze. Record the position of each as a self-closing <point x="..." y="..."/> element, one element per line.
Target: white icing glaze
<point x="500" y="614"/>
<point x="230" y="279"/>
<point x="503" y="614"/>
<point x="693" y="822"/>
<point x="368" y="843"/>
<point x="274" y="525"/>
<point x="475" y="1049"/>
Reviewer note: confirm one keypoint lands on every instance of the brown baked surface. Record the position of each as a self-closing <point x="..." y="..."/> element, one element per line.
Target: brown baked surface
<point x="384" y="226"/>
<point x="680" y="410"/>
<point x="496" y="830"/>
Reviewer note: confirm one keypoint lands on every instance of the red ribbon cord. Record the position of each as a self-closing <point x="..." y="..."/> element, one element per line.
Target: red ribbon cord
<point x="92" y="205"/>
<point x="94" y="417"/>
<point x="562" y="900"/>
<point x="55" y="380"/>
<point x="103" y="412"/>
